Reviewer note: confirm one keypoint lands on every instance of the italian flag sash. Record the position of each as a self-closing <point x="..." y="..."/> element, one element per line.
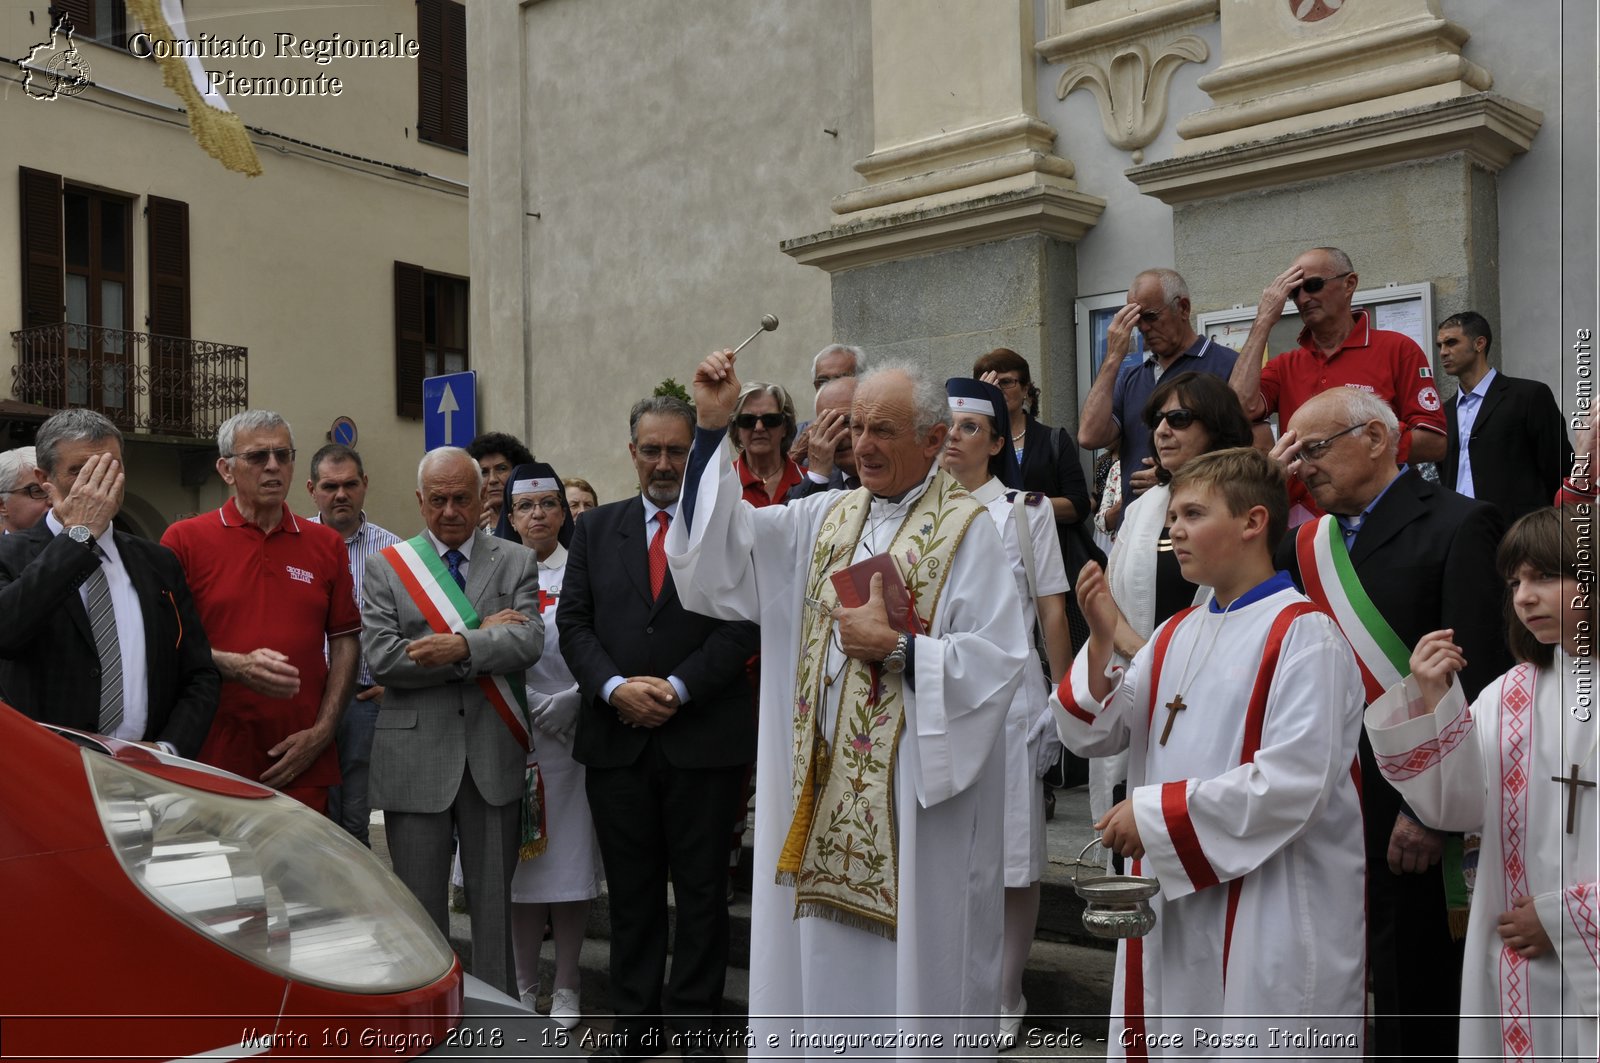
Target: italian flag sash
<point x="448" y="611"/>
<point x="1331" y="581"/>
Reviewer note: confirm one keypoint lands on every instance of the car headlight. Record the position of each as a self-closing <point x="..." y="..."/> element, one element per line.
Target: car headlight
<point x="271" y="880"/>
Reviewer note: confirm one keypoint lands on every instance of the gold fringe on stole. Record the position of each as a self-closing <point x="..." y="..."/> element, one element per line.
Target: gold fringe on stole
<point x="855" y="920"/>
<point x="219" y="131"/>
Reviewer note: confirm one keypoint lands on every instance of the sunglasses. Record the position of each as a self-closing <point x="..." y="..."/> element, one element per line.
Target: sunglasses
<point x="748" y="421"/>
<point x="1313" y="285"/>
<point x="1179" y="419"/>
<point x="284" y="456"/>
<point x="1150" y="317"/>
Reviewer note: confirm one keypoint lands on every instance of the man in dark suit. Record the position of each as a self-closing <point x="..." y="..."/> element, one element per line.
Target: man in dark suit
<point x="1424" y="557"/>
<point x="1517" y="448"/>
<point x="98" y="630"/>
<point x="665" y="730"/>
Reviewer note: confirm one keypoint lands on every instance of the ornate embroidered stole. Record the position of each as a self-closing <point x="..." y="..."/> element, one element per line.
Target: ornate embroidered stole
<point x="841" y="852"/>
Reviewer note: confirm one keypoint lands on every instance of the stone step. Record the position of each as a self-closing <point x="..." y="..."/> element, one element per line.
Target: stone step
<point x="1068" y="989"/>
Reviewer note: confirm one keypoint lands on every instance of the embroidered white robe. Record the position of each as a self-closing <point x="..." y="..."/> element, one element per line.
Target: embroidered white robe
<point x="1490" y="768"/>
<point x="1260" y="922"/>
<point x="813" y="981"/>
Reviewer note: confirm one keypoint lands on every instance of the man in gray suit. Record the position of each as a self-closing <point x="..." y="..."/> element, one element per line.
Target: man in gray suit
<point x="450" y="746"/>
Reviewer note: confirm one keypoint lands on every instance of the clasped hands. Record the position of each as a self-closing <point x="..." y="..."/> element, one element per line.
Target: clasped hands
<point x="645" y="701"/>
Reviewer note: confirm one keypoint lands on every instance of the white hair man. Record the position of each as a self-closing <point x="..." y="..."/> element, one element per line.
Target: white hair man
<point x="877" y="751"/>
<point x="23" y="501"/>
<point x="271" y="588"/>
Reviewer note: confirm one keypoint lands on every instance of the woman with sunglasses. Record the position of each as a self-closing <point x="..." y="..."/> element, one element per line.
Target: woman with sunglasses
<point x="979" y="455"/>
<point x="763" y="430"/>
<point x="1188" y="415"/>
<point x="556" y="886"/>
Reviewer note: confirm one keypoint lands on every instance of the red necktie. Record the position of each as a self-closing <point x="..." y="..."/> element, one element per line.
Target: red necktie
<point x="658" y="554"/>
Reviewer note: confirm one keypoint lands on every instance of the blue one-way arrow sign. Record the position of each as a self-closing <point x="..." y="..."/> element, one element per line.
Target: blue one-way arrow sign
<point x="450" y="409"/>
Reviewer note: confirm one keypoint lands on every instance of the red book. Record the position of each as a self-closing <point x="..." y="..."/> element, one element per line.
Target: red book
<point x="854" y="586"/>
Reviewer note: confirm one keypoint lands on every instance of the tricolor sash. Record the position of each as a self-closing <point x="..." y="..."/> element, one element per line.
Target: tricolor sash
<point x="448" y="611"/>
<point x="841" y="853"/>
<point x="1331" y="581"/>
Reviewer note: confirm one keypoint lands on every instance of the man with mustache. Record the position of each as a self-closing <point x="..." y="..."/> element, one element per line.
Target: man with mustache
<point x="271" y="588"/>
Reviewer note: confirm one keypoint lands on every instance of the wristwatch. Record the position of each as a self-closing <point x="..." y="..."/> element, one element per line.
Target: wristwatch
<point x="80" y="534"/>
<point x="895" y="662"/>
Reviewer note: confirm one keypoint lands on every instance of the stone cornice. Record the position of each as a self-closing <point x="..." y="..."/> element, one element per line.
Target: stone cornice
<point x="1046" y="210"/>
<point x="1490" y="129"/>
<point x="1074" y="30"/>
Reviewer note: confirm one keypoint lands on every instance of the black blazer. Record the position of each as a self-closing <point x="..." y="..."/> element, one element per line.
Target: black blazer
<point x="1426" y="559"/>
<point x="1519" y="447"/>
<point x="610" y="626"/>
<point x="49" y="667"/>
<point x="1051" y="465"/>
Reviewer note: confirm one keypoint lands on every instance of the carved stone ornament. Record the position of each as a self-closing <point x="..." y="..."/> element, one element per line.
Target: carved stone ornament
<point x="1131" y="88"/>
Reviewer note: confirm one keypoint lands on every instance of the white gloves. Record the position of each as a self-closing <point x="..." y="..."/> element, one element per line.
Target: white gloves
<point x="555" y="714"/>
<point x="1046" y="743"/>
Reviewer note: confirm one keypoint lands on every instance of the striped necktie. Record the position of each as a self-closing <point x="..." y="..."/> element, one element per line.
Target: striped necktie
<point x="103" y="623"/>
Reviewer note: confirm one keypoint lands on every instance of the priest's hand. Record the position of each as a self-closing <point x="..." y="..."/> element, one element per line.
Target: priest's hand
<point x="1521" y="930"/>
<point x="645" y="701"/>
<point x="1119" y="831"/>
<point x="864" y="632"/>
<point x="716" y="390"/>
<point x="1434" y="661"/>
<point x="1413" y="848"/>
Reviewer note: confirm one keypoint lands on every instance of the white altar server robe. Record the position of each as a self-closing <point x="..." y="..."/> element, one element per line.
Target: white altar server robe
<point x="1260" y="921"/>
<point x="1491" y="768"/>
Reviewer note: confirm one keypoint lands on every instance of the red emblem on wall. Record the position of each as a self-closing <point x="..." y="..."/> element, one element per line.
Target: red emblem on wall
<point x="1314" y="10"/>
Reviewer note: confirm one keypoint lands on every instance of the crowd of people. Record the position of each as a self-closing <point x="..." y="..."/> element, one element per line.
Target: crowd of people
<point x="1334" y="681"/>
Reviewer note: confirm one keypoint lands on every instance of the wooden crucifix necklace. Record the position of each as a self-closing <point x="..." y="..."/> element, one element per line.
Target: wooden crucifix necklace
<point x="1574" y="784"/>
<point x="1176" y="705"/>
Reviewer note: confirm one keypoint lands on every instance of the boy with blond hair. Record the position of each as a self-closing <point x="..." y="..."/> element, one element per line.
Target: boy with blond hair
<point x="1242" y="718"/>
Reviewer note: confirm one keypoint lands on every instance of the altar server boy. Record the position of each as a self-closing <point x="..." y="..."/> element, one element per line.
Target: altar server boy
<point x="1241" y="717"/>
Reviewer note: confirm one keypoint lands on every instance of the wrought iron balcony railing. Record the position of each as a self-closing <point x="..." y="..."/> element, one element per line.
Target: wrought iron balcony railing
<point x="159" y="385"/>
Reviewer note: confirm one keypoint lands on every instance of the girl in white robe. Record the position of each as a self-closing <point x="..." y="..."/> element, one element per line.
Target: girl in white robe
<point x="1505" y="766"/>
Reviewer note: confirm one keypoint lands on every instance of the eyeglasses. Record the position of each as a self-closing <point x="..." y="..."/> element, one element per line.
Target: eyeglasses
<point x="748" y="421"/>
<point x="528" y="505"/>
<point x="33" y="491"/>
<point x="1150" y="317"/>
<point x="1008" y="383"/>
<point x="283" y="456"/>
<point x="1313" y="451"/>
<point x="1178" y="419"/>
<point x="1313" y="285"/>
<point x="651" y="452"/>
<point x="970" y="428"/>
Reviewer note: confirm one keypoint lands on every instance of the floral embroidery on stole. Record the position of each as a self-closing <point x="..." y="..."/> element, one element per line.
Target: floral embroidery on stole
<point x="841" y="852"/>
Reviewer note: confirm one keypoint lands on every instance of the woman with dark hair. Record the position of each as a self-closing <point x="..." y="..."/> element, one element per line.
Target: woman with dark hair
<point x="1518" y="768"/>
<point x="1188" y="415"/>
<point x="763" y="430"/>
<point x="557" y="885"/>
<point x="978" y="454"/>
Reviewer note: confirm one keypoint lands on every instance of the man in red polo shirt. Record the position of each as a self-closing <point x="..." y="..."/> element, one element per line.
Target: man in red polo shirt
<point x="270" y="587"/>
<point x="1338" y="347"/>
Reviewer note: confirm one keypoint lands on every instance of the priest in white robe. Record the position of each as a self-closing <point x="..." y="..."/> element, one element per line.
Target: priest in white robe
<point x="1500" y="767"/>
<point x="913" y="968"/>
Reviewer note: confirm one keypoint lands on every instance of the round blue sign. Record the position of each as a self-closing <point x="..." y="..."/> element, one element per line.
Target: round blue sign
<point x="344" y="432"/>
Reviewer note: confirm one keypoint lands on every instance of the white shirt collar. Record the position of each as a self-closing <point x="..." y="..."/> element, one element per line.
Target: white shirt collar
<point x="465" y="548"/>
<point x="557" y="558"/>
